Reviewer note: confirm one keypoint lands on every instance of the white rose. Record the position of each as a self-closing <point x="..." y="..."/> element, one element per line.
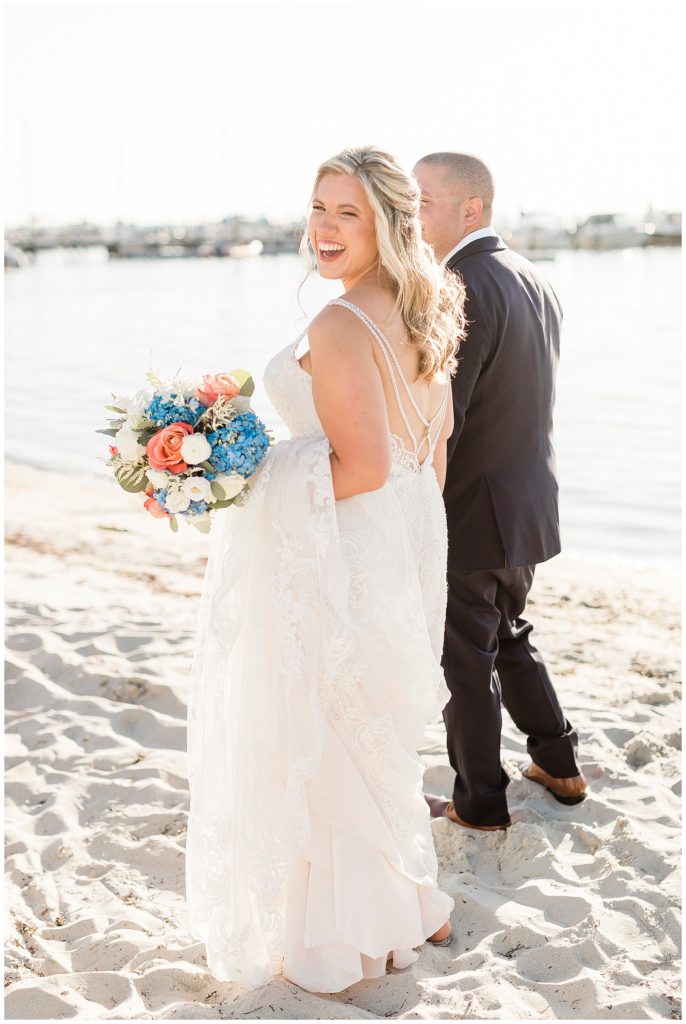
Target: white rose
<point x="241" y="403"/>
<point x="138" y="423"/>
<point x="136" y="405"/>
<point x="128" y="445"/>
<point x="231" y="484"/>
<point x="197" y="488"/>
<point x="158" y="477"/>
<point x="177" y="501"/>
<point x="195" y="448"/>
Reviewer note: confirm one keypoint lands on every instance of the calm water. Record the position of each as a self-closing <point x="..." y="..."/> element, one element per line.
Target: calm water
<point x="79" y="327"/>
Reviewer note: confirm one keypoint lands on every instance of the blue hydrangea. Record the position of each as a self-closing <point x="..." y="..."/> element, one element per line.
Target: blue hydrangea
<point x="162" y="413"/>
<point x="240" y="446"/>
<point x="160" y="494"/>
<point x="195" y="507"/>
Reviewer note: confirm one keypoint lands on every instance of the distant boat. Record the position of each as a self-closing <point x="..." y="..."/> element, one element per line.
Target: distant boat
<point x="15" y="258"/>
<point x="608" y="231"/>
<point x="663" y="228"/>
<point x="239" y="252"/>
<point x="536" y="236"/>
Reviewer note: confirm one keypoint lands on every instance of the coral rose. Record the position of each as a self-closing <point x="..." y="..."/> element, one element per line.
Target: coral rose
<point x="164" y="447"/>
<point x="214" y="386"/>
<point x="155" y="509"/>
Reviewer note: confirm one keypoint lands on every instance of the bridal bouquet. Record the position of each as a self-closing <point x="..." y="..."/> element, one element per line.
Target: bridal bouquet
<point x="189" y="445"/>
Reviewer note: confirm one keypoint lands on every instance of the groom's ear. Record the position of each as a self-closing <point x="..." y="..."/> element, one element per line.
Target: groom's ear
<point x="473" y="209"/>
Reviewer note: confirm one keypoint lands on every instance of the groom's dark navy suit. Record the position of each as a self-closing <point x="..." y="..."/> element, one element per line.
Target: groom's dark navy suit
<point x="501" y="504"/>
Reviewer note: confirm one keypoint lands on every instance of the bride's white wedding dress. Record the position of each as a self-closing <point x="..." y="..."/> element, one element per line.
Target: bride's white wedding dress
<point x="316" y="671"/>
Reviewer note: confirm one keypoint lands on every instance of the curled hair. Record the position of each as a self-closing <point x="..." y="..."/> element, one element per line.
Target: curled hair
<point x="429" y="298"/>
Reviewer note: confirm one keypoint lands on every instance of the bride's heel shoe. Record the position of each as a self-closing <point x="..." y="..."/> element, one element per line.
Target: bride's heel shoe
<point x="442" y="940"/>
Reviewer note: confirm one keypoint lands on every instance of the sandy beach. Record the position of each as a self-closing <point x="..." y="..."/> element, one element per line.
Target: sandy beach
<point x="573" y="913"/>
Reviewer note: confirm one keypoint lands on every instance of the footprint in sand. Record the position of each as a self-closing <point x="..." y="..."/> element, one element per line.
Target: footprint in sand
<point x="24" y="642"/>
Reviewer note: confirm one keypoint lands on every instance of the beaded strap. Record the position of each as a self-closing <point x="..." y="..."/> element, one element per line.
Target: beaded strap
<point x="386" y="348"/>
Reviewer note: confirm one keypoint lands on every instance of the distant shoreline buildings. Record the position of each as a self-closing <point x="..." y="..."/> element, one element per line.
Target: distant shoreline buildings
<point x="538" y="235"/>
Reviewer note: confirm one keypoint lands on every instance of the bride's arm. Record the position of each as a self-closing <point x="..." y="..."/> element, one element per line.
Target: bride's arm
<point x="349" y="399"/>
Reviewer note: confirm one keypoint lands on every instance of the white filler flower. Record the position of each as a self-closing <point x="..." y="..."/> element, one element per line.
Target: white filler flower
<point x="134" y="405"/>
<point x="158" y="477"/>
<point x="127" y="443"/>
<point x="195" y="448"/>
<point x="241" y="403"/>
<point x="231" y="484"/>
<point x="197" y="488"/>
<point x="177" y="501"/>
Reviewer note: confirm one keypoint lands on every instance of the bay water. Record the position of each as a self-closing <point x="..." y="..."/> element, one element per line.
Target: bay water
<point x="79" y="326"/>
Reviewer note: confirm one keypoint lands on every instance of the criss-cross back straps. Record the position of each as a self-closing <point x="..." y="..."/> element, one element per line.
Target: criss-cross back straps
<point x="391" y="358"/>
<point x="441" y="412"/>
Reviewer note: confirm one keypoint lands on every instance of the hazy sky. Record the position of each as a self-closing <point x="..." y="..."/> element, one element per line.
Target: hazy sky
<point x="161" y="112"/>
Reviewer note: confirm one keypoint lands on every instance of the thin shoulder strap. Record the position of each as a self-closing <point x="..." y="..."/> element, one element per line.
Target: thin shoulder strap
<point x="384" y="346"/>
<point x="376" y="330"/>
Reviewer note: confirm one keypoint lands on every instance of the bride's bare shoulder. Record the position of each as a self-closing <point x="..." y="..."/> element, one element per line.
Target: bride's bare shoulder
<point x="336" y="326"/>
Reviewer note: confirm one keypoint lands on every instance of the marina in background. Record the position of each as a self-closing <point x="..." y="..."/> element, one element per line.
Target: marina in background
<point x="538" y="235"/>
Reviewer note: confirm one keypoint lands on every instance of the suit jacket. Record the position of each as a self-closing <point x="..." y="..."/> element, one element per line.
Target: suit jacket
<point x="501" y="490"/>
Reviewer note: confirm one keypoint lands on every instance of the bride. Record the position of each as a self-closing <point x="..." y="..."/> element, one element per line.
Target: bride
<point x="320" y="632"/>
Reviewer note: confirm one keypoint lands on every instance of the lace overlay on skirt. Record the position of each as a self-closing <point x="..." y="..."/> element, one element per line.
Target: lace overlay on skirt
<point x="315" y="673"/>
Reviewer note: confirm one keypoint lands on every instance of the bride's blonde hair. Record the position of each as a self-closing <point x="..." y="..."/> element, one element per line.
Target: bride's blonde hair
<point x="430" y="299"/>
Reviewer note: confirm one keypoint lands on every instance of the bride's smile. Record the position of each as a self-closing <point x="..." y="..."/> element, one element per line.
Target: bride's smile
<point x="342" y="230"/>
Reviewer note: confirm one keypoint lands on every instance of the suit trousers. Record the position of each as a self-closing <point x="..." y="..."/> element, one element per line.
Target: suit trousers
<point x="488" y="659"/>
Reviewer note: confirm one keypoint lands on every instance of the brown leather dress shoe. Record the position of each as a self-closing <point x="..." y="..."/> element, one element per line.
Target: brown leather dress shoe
<point x="571" y="790"/>
<point x="452" y="814"/>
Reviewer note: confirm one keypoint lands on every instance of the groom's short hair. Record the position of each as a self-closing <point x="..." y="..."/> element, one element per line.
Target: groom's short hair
<point x="465" y="171"/>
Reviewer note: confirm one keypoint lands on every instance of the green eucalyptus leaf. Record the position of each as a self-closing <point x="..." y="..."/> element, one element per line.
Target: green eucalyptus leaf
<point x="145" y="435"/>
<point x="240" y="376"/>
<point x="203" y="526"/>
<point x="217" y="490"/>
<point x="244" y="380"/>
<point x="224" y="503"/>
<point x="132" y="481"/>
<point x="109" y="431"/>
<point x="173" y="525"/>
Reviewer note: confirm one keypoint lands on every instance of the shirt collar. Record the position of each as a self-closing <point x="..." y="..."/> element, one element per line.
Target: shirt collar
<point x="471" y="237"/>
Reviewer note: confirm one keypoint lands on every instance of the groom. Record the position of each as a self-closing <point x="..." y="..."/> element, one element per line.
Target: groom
<point x="501" y="502"/>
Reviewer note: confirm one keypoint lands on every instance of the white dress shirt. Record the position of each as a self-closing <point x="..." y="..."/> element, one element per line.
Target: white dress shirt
<point x="471" y="237"/>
